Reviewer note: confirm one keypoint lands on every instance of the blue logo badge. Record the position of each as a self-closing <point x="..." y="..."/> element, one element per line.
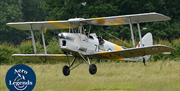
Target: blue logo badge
<point x="20" y="78"/>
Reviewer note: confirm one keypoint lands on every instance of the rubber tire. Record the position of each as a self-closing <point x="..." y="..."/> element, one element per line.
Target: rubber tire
<point x="92" y="69"/>
<point x="66" y="70"/>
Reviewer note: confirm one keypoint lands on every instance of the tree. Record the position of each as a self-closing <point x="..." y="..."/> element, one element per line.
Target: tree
<point x="9" y="12"/>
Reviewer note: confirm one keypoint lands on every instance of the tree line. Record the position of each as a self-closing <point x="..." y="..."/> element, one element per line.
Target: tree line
<point x="40" y="10"/>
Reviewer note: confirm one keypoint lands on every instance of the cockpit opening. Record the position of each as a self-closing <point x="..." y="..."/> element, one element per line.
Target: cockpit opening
<point x="101" y="40"/>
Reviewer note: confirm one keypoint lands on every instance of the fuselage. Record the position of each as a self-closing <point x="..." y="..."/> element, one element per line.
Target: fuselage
<point x="85" y="44"/>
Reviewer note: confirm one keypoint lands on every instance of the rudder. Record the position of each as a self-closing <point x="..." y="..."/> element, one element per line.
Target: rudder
<point x="147" y="40"/>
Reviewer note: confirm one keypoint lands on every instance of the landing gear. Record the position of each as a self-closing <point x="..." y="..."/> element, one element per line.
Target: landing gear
<point x="92" y="69"/>
<point x="66" y="70"/>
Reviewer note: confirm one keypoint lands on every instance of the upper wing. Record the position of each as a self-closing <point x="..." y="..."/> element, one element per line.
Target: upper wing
<point x="42" y="24"/>
<point x="126" y="19"/>
<point x="74" y="23"/>
<point x="133" y="52"/>
<point x="53" y="57"/>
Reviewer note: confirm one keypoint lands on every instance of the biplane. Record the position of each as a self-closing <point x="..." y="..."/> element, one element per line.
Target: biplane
<point x="79" y="43"/>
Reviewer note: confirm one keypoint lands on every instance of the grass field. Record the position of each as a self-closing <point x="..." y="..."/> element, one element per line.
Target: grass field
<point x="156" y="76"/>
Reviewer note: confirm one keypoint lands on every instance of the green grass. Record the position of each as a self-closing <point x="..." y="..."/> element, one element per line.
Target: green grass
<point x="156" y="76"/>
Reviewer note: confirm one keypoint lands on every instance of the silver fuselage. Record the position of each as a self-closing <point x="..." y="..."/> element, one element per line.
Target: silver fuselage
<point x="84" y="44"/>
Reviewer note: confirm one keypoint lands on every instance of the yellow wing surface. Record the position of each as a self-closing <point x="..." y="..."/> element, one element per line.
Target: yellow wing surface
<point x="126" y="19"/>
<point x="133" y="52"/>
<point x="76" y="22"/>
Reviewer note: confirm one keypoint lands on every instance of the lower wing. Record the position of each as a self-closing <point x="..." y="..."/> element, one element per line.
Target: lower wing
<point x="55" y="57"/>
<point x="132" y="52"/>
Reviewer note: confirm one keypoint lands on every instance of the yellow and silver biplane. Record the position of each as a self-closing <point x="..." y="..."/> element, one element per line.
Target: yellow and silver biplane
<point x="81" y="44"/>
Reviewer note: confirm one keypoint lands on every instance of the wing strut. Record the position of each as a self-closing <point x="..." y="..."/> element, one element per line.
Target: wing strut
<point x="132" y="34"/>
<point x="139" y="31"/>
<point x="33" y="40"/>
<point x="43" y="40"/>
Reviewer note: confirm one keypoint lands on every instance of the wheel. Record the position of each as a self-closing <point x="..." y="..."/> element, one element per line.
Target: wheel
<point x="66" y="70"/>
<point x="92" y="69"/>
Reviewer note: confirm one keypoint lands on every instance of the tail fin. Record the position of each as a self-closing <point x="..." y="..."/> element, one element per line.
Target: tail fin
<point x="147" y="40"/>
